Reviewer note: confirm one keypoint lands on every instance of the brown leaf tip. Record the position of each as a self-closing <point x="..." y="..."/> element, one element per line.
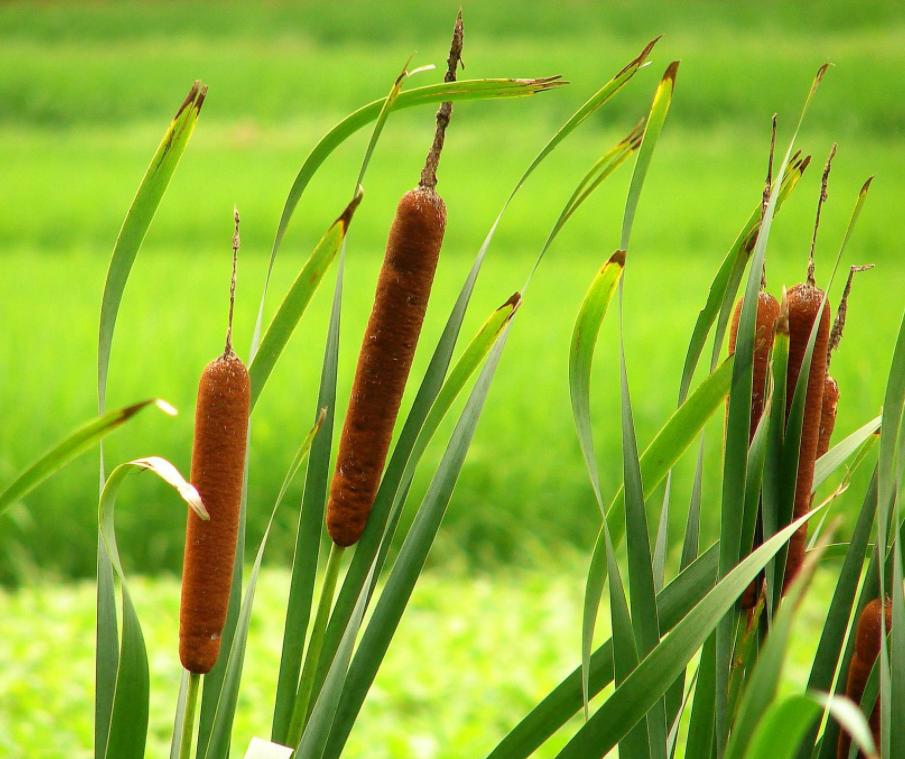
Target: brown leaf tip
<point x="195" y="97"/>
<point x="617" y="258"/>
<point x="345" y="218"/>
<point x="866" y="186"/>
<point x="514" y="301"/>
<point x="642" y="56"/>
<point x="671" y="72"/>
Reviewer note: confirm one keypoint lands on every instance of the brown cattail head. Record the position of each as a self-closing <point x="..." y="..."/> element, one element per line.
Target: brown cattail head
<point x="827" y="414"/>
<point x="765" y="323"/>
<point x="403" y="290"/>
<point x="218" y="463"/>
<point x="868" y="640"/>
<point x="803" y="304"/>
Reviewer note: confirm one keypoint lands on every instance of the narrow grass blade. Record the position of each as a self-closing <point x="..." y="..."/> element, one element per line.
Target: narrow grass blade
<point x="408" y="564"/>
<point x="655" y="120"/>
<point x="467" y="89"/>
<point x="640" y="562"/>
<point x="297" y="299"/>
<point x="128" y="725"/>
<point x="649" y="681"/>
<point x="310" y="525"/>
<point x="221" y="726"/>
<point x="782" y="728"/>
<point x="564" y="701"/>
<point x="179" y="720"/>
<point x="72" y="446"/>
<point x="581" y="354"/>
<point x="834" y="458"/>
<point x="138" y="219"/>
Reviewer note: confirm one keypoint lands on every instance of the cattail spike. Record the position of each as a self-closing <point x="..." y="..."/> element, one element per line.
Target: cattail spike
<point x="429" y="172"/>
<point x="232" y="284"/>
<point x="839" y="322"/>
<point x="824" y="181"/>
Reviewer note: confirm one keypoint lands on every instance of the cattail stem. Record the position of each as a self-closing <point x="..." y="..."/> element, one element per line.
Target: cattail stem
<point x="188" y="724"/>
<point x="429" y="172"/>
<point x="824" y="181"/>
<point x="232" y="284"/>
<point x="301" y="707"/>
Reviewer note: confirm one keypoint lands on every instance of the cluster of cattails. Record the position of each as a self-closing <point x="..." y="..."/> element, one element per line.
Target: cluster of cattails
<point x="390" y="339"/>
<point x="875" y="618"/>
<point x="218" y="465"/>
<point x="804" y="310"/>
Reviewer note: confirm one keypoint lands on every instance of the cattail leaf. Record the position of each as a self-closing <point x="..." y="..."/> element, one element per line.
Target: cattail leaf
<point x="408" y="565"/>
<point x="466" y="89"/>
<point x="128" y="724"/>
<point x="179" y="719"/>
<point x="77" y="442"/>
<point x="780" y="731"/>
<point x="218" y="740"/>
<point x="665" y="449"/>
<point x="893" y="410"/>
<point x="581" y="354"/>
<point x="834" y="458"/>
<point x="897" y="658"/>
<point x="565" y="700"/>
<point x="762" y="683"/>
<point x="640" y="563"/>
<point x="138" y="219"/>
<point x="654" y="125"/>
<point x="754" y="477"/>
<point x="311" y="514"/>
<point x="297" y="299"/>
<point x="370" y="542"/>
<point x="703" y="709"/>
<point x="650" y="680"/>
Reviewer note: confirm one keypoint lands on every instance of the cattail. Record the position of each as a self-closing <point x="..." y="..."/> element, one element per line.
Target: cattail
<point x="765" y="321"/>
<point x="403" y="290"/>
<point x="804" y="310"/>
<point x="868" y="640"/>
<point x="218" y="462"/>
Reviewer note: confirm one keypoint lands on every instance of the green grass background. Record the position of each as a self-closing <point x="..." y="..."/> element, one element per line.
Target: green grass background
<point x="85" y="92"/>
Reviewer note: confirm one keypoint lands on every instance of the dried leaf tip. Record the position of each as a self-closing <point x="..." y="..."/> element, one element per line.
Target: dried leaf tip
<point x="670" y="74"/>
<point x="345" y="218"/>
<point x="617" y="258"/>
<point x="768" y="184"/>
<point x="429" y="172"/>
<point x="196" y="96"/>
<point x="228" y="350"/>
<point x="513" y="302"/>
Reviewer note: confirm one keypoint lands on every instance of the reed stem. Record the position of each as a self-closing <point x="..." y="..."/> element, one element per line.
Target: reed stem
<point x="188" y="724"/>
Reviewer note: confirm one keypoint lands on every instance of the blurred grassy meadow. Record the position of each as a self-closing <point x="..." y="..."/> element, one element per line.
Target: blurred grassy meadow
<point x="86" y="91"/>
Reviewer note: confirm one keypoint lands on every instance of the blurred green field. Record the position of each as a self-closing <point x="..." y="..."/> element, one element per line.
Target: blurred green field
<point x="86" y="90"/>
<point x="506" y="638"/>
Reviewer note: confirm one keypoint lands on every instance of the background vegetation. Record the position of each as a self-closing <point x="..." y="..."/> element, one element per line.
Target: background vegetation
<point x="84" y="90"/>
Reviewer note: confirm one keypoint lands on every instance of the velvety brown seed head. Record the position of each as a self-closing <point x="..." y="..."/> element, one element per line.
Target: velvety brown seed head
<point x="403" y="290"/>
<point x="803" y="310"/>
<point x="765" y="321"/>
<point x="218" y="462"/>
<point x="868" y="639"/>
<point x="827" y="414"/>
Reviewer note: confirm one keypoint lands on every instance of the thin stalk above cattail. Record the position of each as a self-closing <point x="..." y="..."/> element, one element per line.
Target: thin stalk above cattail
<point x="218" y="462"/>
<point x="390" y="339"/>
<point x="868" y="640"/>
